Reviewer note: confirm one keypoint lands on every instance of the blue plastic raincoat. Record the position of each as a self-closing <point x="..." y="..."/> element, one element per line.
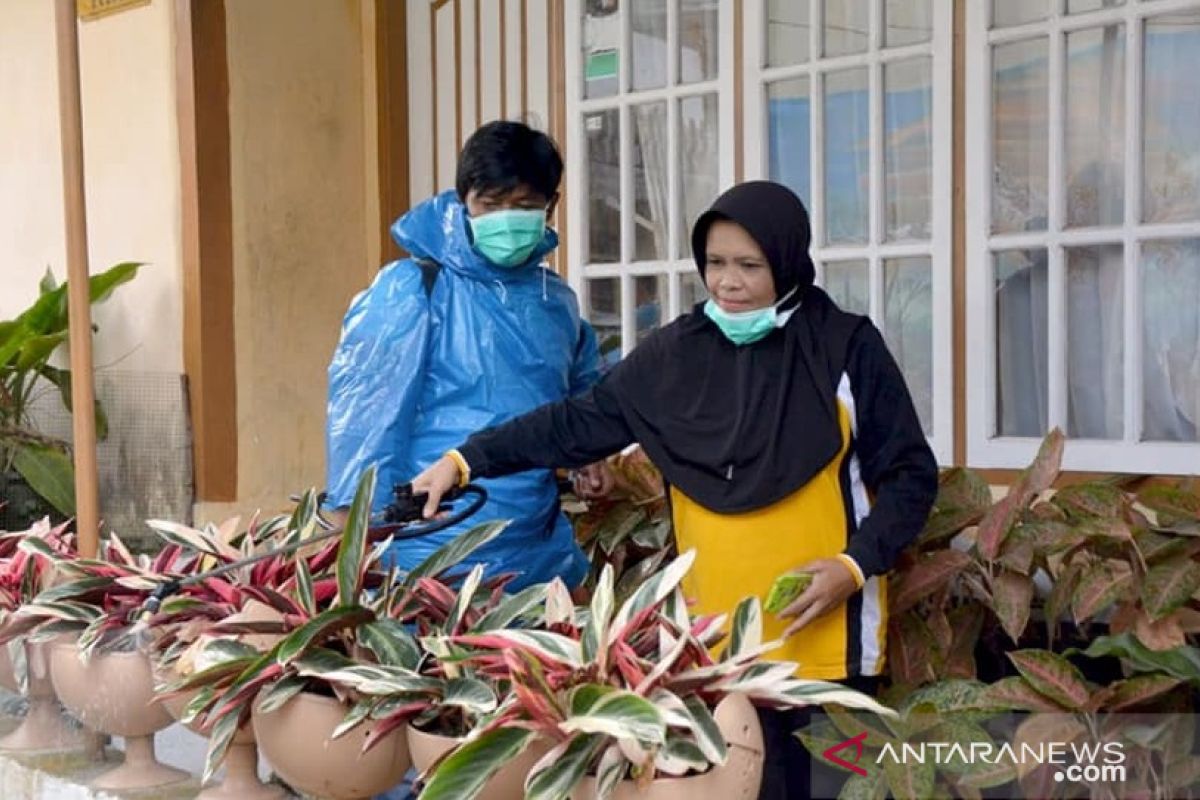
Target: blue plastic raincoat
<point x="417" y="371"/>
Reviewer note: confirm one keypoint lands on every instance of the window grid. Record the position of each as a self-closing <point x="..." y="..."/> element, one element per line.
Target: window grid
<point x="876" y="251"/>
<point x="985" y="447"/>
<point x="673" y="269"/>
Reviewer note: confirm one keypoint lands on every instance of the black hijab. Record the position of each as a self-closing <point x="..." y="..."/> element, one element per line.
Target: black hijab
<point x="739" y="428"/>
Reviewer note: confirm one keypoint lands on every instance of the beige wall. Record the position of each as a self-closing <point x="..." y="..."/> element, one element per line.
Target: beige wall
<point x="131" y="154"/>
<point x="299" y="171"/>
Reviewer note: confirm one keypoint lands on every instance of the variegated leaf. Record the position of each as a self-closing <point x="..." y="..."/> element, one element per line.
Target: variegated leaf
<point x="1053" y="676"/>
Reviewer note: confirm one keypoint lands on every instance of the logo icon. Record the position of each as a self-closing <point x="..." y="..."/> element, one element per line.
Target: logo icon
<point x="857" y="744"/>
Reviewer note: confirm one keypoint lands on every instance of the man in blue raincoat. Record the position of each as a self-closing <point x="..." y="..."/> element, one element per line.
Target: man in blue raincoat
<point x="469" y="332"/>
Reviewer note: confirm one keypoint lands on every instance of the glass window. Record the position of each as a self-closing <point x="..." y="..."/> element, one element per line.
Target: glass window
<point x="847" y="148"/>
<point x="908" y="328"/>
<point x="1020" y="132"/>
<point x="1095" y="126"/>
<point x="1095" y="342"/>
<point x="1022" y="333"/>
<point x="789" y="111"/>
<point x="908" y="149"/>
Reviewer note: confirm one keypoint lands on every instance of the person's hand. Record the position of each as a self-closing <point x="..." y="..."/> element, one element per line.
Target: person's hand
<point x="832" y="585"/>
<point x="440" y="478"/>
<point x="593" y="481"/>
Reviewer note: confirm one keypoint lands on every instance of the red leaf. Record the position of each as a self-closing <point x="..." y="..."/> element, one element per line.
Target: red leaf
<point x="930" y="573"/>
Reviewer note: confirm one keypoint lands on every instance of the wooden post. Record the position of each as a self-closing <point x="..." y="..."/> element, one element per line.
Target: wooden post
<point x="78" y="295"/>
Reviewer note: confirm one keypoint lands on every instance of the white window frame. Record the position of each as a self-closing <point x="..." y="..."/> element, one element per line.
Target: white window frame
<point x="577" y="174"/>
<point x="984" y="448"/>
<point x="940" y="49"/>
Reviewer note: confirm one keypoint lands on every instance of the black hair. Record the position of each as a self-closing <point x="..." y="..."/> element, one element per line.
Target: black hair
<point x="502" y="155"/>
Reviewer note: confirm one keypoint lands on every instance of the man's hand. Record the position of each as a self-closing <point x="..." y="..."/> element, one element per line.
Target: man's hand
<point x="593" y="481"/>
<point x="440" y="478"/>
<point x="832" y="585"/>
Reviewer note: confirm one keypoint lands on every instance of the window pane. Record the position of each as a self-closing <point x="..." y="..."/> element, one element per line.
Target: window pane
<point x="847" y="26"/>
<point x="787" y="32"/>
<point x="1095" y="342"/>
<point x="1171" y="336"/>
<point x="846" y="147"/>
<point x="908" y="328"/>
<point x="1080" y="6"/>
<point x="604" y="186"/>
<point x="691" y="292"/>
<point x="649" y="303"/>
<point x="648" y="32"/>
<point x="604" y="312"/>
<point x="908" y="149"/>
<point x="1021" y="349"/>
<point x="650" y="181"/>
<point x="907" y="22"/>
<point x="1015" y="12"/>
<point x="789" y="114"/>
<point x="1095" y="135"/>
<point x="698" y="154"/>
<point x="601" y="48"/>
<point x="1020" y="135"/>
<point x="1172" y="118"/>
<point x="699" y="40"/>
<point x="848" y="284"/>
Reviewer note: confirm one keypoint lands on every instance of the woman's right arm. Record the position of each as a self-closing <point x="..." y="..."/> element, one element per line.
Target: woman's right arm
<point x="570" y="433"/>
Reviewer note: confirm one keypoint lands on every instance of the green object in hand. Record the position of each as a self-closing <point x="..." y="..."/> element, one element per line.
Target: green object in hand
<point x="785" y="589"/>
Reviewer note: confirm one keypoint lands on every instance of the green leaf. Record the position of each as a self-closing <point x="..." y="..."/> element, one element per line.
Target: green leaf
<point x="1180" y="662"/>
<point x="656" y="589"/>
<point x="219" y="740"/>
<point x="49" y="473"/>
<point x="1016" y="693"/>
<point x="315" y="631"/>
<point x="462" y="775"/>
<point x="1098" y="589"/>
<point x="563" y="773"/>
<point x="909" y="781"/>
<point x="620" y="714"/>
<point x="352" y="552"/>
<point x="595" y="633"/>
<point x="454" y="551"/>
<point x="511" y="609"/>
<point x="704" y="727"/>
<point x="610" y="772"/>
<point x="746" y="631"/>
<point x="869" y="787"/>
<point x="47" y="284"/>
<point x="304" y="587"/>
<point x="275" y="696"/>
<point x="462" y="602"/>
<point x="37" y="349"/>
<point x="1053" y="676"/>
<point x="470" y="694"/>
<point x="391" y="643"/>
<point x="1168" y="586"/>
<point x="360" y="712"/>
<point x="62" y="379"/>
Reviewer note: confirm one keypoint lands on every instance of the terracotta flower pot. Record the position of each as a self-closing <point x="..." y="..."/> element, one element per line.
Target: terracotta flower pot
<point x="739" y="778"/>
<point x="507" y="784"/>
<point x="295" y="739"/>
<point x="43" y="727"/>
<point x="241" y="760"/>
<point x="114" y="693"/>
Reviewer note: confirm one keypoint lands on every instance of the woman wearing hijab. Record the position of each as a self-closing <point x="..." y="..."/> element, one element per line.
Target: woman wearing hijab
<point x="785" y="433"/>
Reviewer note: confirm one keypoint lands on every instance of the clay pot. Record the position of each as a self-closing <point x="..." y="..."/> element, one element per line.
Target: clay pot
<point x="738" y="778"/>
<point x="8" y="675"/>
<point x="295" y="738"/>
<point x="241" y="759"/>
<point x="114" y="694"/>
<point x="507" y="784"/>
<point x="43" y="727"/>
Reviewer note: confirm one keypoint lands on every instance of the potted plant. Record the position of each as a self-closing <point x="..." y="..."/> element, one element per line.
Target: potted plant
<point x="26" y="669"/>
<point x="631" y="697"/>
<point x="300" y="691"/>
<point x="36" y="477"/>
<point x="97" y="652"/>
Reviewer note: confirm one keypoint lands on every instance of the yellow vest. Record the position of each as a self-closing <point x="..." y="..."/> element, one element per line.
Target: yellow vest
<point x="742" y="554"/>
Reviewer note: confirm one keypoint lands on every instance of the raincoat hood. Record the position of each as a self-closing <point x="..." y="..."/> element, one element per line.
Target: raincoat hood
<point x="437" y="230"/>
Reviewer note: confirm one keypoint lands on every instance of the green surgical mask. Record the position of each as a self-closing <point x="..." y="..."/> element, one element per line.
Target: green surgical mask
<point x="508" y="238"/>
<point x="747" y="327"/>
